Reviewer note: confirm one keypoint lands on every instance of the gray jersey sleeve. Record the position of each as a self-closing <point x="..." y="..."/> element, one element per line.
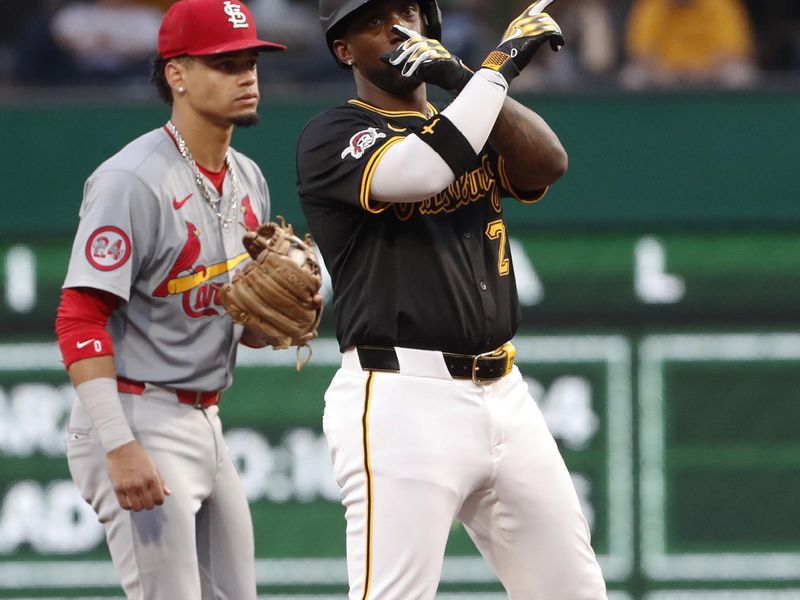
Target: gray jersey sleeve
<point x="116" y="234"/>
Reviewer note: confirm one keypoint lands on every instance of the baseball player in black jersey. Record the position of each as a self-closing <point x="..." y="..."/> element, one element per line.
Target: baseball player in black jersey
<point x="428" y="420"/>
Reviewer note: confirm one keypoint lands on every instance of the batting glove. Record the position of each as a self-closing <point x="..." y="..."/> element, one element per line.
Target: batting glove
<point x="428" y="61"/>
<point x="524" y="36"/>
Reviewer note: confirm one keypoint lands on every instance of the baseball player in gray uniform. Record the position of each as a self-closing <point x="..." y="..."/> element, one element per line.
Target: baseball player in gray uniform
<point x="140" y="326"/>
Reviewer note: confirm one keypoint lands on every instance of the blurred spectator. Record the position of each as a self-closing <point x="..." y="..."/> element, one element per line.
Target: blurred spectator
<point x="685" y="42"/>
<point x="90" y="42"/>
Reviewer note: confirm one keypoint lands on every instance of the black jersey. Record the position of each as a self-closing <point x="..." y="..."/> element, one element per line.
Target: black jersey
<point x="433" y="275"/>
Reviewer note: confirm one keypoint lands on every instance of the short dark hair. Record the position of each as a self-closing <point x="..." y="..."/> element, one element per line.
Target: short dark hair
<point x="159" y="79"/>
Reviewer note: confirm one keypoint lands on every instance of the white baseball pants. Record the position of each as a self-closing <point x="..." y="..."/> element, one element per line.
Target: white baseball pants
<point x="199" y="543"/>
<point x="414" y="450"/>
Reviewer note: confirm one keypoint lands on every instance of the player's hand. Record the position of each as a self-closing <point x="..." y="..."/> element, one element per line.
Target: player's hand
<point x="427" y="60"/>
<point x="135" y="478"/>
<point x="524" y="36"/>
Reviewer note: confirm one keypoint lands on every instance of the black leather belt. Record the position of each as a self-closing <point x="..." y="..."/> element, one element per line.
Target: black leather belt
<point x="480" y="368"/>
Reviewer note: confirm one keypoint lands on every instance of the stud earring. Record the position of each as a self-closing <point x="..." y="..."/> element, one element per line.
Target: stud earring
<point x="181" y="90"/>
<point x="350" y="63"/>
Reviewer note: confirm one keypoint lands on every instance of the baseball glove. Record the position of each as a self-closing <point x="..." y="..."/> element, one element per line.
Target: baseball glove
<point x="273" y="294"/>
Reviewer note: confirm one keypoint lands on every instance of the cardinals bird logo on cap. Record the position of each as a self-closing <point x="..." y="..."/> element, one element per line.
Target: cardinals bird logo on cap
<point x="237" y="17"/>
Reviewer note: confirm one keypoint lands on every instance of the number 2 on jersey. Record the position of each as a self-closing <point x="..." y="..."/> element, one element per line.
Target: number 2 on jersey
<point x="496" y="230"/>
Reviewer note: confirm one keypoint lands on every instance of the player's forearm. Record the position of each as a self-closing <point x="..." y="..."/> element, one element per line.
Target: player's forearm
<point x="95" y="381"/>
<point x="473" y="113"/>
<point x="533" y="154"/>
<point x="92" y="368"/>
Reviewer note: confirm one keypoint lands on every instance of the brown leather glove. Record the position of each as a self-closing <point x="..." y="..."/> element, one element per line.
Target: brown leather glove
<point x="273" y="294"/>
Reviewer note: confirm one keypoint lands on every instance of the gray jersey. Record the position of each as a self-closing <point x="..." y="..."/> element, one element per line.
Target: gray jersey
<point x="148" y="235"/>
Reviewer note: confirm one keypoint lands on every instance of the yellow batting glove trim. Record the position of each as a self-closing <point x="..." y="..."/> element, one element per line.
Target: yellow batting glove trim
<point x="495" y="60"/>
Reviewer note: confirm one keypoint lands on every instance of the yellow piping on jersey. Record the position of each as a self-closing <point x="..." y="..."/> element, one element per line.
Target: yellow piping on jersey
<point x="368" y="473"/>
<point x="501" y="164"/>
<point x="189" y="282"/>
<point x="369" y="172"/>
<point x="395" y="113"/>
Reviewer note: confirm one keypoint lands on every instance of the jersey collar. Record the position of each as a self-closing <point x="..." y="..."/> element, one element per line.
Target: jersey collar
<point x="394" y="113"/>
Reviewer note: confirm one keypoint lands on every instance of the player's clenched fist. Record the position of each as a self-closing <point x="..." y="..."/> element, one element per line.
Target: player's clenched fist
<point x="524" y="36"/>
<point x="135" y="478"/>
<point x="428" y="60"/>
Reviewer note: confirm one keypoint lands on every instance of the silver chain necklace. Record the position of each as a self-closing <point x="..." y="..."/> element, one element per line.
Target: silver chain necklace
<point x="214" y="203"/>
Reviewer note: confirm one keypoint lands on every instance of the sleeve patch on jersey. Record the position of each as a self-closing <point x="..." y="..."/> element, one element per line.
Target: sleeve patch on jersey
<point x="108" y="248"/>
<point x="361" y="142"/>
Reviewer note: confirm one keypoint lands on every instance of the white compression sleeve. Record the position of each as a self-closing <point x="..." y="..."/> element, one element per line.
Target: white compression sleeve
<point x="476" y="108"/>
<point x="101" y="400"/>
<point x="473" y="112"/>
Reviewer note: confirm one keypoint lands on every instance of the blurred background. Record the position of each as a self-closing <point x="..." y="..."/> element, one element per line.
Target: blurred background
<point x="660" y="283"/>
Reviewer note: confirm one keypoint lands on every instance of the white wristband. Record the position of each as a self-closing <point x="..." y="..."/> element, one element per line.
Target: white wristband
<point x="101" y="400"/>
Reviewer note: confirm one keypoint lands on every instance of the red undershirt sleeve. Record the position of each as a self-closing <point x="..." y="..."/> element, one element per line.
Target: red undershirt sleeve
<point x="81" y="321"/>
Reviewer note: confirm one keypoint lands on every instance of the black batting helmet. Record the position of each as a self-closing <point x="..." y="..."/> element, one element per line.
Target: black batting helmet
<point x="334" y="14"/>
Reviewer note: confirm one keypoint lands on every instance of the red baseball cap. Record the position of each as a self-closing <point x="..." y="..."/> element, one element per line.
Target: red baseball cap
<point x="202" y="27"/>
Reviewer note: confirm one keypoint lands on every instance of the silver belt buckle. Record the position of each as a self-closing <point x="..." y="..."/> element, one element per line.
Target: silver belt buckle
<point x="475" y="368"/>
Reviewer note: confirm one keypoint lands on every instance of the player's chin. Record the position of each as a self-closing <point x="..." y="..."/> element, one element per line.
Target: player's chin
<point x="247" y="119"/>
